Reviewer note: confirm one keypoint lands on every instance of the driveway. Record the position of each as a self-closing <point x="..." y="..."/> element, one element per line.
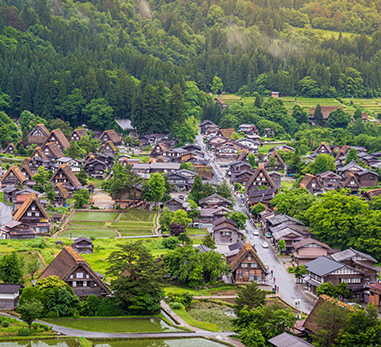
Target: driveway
<point x="102" y="200"/>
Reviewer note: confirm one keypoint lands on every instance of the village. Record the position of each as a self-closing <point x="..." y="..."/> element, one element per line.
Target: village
<point x="219" y="196"/>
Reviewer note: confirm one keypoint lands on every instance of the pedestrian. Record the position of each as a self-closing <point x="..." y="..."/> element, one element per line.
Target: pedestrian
<point x="272" y="273"/>
<point x="277" y="289"/>
<point x="274" y="279"/>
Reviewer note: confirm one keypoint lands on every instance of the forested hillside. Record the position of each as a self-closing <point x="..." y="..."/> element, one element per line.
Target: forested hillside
<point x="93" y="61"/>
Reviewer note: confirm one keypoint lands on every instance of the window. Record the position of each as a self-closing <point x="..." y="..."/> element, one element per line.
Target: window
<point x="244" y="264"/>
<point x="313" y="185"/>
<point x="74" y="283"/>
<point x="85" y="283"/>
<point x="87" y="276"/>
<point x="71" y="276"/>
<point x="249" y="257"/>
<point x="37" y="214"/>
<point x="79" y="275"/>
<point x="33" y="208"/>
<point x="29" y="214"/>
<point x="253" y="264"/>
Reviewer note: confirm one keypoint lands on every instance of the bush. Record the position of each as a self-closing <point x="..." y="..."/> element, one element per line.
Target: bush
<point x="24" y="332"/>
<point x="170" y="242"/>
<point x="5" y="323"/>
<point x="185" y="299"/>
<point x="176" y="306"/>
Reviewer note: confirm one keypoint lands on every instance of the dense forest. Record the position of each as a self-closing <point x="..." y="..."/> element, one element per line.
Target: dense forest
<point x="93" y="61"/>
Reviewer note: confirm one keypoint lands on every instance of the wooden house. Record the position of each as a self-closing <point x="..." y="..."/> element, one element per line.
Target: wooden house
<point x="324" y="270"/>
<point x="326" y="111"/>
<point x="323" y="148"/>
<point x="9" y="296"/>
<point x="62" y="195"/>
<point x="227" y="151"/>
<point x="209" y="215"/>
<point x="352" y="168"/>
<point x="219" y="101"/>
<point x="311" y="183"/>
<point x="38" y="135"/>
<point x="360" y="261"/>
<point x="226" y="231"/>
<point x="268" y="132"/>
<point x="77" y="134"/>
<point x="33" y="214"/>
<point x="375" y="294"/>
<point x="111" y="135"/>
<point x="95" y="167"/>
<point x="83" y="245"/>
<point x="131" y="199"/>
<point x="15" y="230"/>
<point x="276" y="177"/>
<point x="214" y="200"/>
<point x="52" y="151"/>
<point x="26" y="171"/>
<point x="247" y="266"/>
<point x="158" y="150"/>
<point x="251" y="145"/>
<point x="369" y="194"/>
<point x="241" y="177"/>
<point x="13" y="177"/>
<point x="274" y="165"/>
<point x="260" y="180"/>
<point x="309" y="249"/>
<point x="91" y="187"/>
<point x="71" y="268"/>
<point x="65" y="176"/>
<point x="175" y="204"/>
<point x="367" y="178"/>
<point x="20" y="196"/>
<point x="204" y="124"/>
<point x="179" y="181"/>
<point x="58" y="137"/>
<point x="38" y="153"/>
<point x="248" y="129"/>
<point x="108" y="148"/>
<point x="329" y="180"/>
<point x="10" y="149"/>
<point x="351" y="183"/>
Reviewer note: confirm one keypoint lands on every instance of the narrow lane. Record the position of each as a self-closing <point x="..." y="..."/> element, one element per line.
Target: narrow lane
<point x="288" y="290"/>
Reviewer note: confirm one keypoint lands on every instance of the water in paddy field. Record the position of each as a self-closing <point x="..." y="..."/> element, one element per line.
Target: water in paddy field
<point x="193" y="342"/>
<point x="44" y="343"/>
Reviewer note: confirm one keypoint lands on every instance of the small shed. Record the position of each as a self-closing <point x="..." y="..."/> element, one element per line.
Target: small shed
<point x="9" y="296"/>
<point x="83" y="245"/>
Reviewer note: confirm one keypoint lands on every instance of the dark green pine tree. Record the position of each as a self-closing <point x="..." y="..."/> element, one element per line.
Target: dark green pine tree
<point x="160" y="108"/>
<point x="176" y="108"/>
<point x="124" y="94"/>
<point x="26" y="99"/>
<point x="318" y="115"/>
<point x="258" y="102"/>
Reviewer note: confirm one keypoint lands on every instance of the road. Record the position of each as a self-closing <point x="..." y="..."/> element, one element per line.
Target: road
<point x="288" y="290"/>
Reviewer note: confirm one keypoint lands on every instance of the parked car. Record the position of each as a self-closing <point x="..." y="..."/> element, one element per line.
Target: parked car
<point x="265" y="244"/>
<point x="268" y="234"/>
<point x="256" y="233"/>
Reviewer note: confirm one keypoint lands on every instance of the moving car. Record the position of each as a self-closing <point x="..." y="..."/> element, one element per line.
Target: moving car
<point x="256" y="233"/>
<point x="265" y="244"/>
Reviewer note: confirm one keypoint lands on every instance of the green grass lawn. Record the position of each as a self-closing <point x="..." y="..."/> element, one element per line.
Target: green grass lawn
<point x="86" y="224"/>
<point x="88" y="232"/>
<point x="195" y="231"/>
<point x="137" y="225"/>
<point x="117" y="325"/>
<point x="135" y="232"/>
<point x="287" y="184"/>
<point x="94" y="216"/>
<point x="194" y="322"/>
<point x="138" y="216"/>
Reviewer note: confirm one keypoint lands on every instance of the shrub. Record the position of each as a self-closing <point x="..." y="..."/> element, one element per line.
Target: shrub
<point x="176" y="306"/>
<point x="5" y="323"/>
<point x="170" y="242"/>
<point x="185" y="299"/>
<point x="24" y="332"/>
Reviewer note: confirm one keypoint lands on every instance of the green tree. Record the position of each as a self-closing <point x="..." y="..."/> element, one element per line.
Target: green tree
<point x="281" y="246"/>
<point x="318" y="115"/>
<point x="334" y="217"/>
<point x="257" y="209"/>
<point x="362" y="329"/>
<point x="338" y="119"/>
<point x="165" y="219"/>
<point x="330" y="319"/>
<point x="11" y="268"/>
<point x="42" y="176"/>
<point x="154" y="188"/>
<point x="81" y="198"/>
<point x="60" y="124"/>
<point x="223" y="189"/>
<point x="208" y="241"/>
<point x="82" y="176"/>
<point x="322" y="163"/>
<point x="196" y="190"/>
<point x="375" y="203"/>
<point x="50" y="192"/>
<point x="186" y="166"/>
<point x="181" y="217"/>
<point x="99" y="114"/>
<point x="238" y="217"/>
<point x="352" y="155"/>
<point x="137" y="277"/>
<point x="32" y="268"/>
<point x="193" y="212"/>
<point x="258" y="102"/>
<point x="249" y="295"/>
<point x="217" y="85"/>
<point x="252" y="161"/>
<point x="74" y="151"/>
<point x="176" y="109"/>
<point x="299" y="115"/>
<point x="357" y="114"/>
<point x="299" y="272"/>
<point x="88" y="144"/>
<point x="30" y="311"/>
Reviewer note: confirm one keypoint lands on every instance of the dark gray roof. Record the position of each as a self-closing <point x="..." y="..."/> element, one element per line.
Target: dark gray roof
<point x="6" y="288"/>
<point x="288" y="340"/>
<point x="281" y="218"/>
<point x="237" y="245"/>
<point x="350" y="253"/>
<point x="323" y="266"/>
<point x="203" y="249"/>
<point x="351" y="165"/>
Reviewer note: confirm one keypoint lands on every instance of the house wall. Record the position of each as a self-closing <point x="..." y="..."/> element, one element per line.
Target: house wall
<point x="318" y="251"/>
<point x="9" y="301"/>
<point x="368" y="180"/>
<point x="248" y="270"/>
<point x="226" y="236"/>
<point x="173" y="206"/>
<point x="374" y="298"/>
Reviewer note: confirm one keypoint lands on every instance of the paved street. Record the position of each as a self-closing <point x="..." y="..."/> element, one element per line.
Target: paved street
<point x="288" y="290"/>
